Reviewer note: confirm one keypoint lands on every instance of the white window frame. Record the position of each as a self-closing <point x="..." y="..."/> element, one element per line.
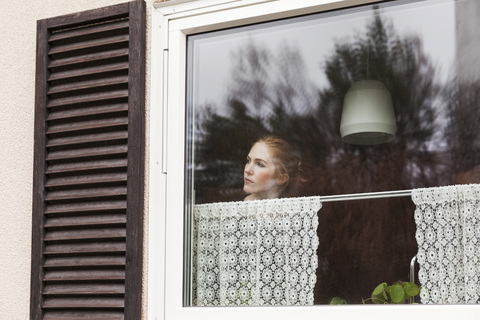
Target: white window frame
<point x="171" y="22"/>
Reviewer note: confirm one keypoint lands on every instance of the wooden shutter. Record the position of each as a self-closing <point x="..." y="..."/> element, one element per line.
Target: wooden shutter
<point x="89" y="165"/>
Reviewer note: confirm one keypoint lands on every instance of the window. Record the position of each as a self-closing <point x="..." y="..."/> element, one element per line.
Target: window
<point x="192" y="30"/>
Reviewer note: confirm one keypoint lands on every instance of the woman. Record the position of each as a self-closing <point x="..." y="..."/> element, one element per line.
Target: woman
<point x="273" y="170"/>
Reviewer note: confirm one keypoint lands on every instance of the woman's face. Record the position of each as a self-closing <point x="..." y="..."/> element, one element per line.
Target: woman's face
<point x="260" y="178"/>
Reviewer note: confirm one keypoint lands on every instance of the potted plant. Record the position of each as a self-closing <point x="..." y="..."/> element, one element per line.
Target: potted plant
<point x="397" y="293"/>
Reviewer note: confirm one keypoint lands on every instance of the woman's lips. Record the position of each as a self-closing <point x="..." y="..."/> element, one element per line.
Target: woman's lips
<point x="248" y="180"/>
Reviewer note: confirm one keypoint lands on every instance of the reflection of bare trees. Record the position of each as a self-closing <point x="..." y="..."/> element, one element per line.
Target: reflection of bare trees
<point x="266" y="81"/>
<point x="462" y="134"/>
<point x="373" y="241"/>
<point x="267" y="91"/>
<point x="221" y="151"/>
<point x="365" y="242"/>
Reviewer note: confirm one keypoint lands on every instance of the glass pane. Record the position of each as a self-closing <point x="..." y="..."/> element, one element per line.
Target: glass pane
<point x="289" y="78"/>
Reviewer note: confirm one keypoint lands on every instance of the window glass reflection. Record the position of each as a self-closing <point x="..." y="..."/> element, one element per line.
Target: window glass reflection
<point x="289" y="78"/>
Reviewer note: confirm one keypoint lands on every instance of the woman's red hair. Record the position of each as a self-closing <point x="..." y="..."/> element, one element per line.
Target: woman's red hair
<point x="288" y="161"/>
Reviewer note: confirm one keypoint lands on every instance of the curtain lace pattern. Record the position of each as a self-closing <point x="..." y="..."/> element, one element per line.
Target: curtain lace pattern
<point x="448" y="236"/>
<point x="255" y="252"/>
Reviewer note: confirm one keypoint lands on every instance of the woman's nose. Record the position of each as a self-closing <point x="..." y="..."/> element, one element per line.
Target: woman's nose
<point x="248" y="168"/>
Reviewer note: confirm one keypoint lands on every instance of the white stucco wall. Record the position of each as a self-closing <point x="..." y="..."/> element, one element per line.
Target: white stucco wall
<point x="17" y="93"/>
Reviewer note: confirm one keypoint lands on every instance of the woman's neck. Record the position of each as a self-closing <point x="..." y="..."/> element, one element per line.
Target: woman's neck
<point x="263" y="195"/>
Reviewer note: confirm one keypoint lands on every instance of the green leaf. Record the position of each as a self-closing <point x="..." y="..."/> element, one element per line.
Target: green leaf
<point x="337" y="301"/>
<point x="411" y="289"/>
<point x="397" y="294"/>
<point x="379" y="296"/>
<point x="380" y="299"/>
<point x="379" y="289"/>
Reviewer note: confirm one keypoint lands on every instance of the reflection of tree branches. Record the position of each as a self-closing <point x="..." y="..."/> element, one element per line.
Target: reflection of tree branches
<point x="402" y="66"/>
<point x="221" y="149"/>
<point x="461" y="134"/>
<point x="357" y="238"/>
<point x="269" y="94"/>
<point x="266" y="80"/>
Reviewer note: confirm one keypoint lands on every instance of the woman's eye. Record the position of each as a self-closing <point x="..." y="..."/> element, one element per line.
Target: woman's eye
<point x="261" y="165"/>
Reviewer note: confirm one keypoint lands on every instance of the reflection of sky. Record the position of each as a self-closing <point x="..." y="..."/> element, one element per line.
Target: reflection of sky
<point x="315" y="41"/>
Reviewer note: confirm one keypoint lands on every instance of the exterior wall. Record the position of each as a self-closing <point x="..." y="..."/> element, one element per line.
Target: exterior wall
<point x="17" y="93"/>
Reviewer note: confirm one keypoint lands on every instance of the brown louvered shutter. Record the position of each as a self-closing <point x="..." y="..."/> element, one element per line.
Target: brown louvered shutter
<point x="89" y="165"/>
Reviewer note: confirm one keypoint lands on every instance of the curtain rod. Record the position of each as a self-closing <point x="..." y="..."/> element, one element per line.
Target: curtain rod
<point x="367" y="195"/>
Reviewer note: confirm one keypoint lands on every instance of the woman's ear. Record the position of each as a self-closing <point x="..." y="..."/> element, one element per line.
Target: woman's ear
<point x="282" y="178"/>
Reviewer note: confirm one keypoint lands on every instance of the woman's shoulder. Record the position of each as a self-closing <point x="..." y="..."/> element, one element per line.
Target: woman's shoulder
<point x="243" y="197"/>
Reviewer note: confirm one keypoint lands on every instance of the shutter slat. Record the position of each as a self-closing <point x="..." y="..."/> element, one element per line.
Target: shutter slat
<point x="100" y="261"/>
<point x="96" y="165"/>
<point x="77" y="46"/>
<point x="83" y="315"/>
<point x="86" y="220"/>
<point x="86" y="193"/>
<point x="89" y="58"/>
<point x="96" y="247"/>
<point x="87" y="125"/>
<point x="89" y="98"/>
<point x="56" y="114"/>
<point x="86" y="207"/>
<point x="84" y="289"/>
<point x="92" y="303"/>
<point x="83" y="139"/>
<point x="87" y="84"/>
<point x="86" y="152"/>
<point x="95" y="29"/>
<point x="86" y="179"/>
<point x="84" y="234"/>
<point x="84" y="275"/>
<point x="88" y="71"/>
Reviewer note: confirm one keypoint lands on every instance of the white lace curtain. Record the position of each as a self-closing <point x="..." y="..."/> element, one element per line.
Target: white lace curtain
<point x="448" y="237"/>
<point x="255" y="252"/>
